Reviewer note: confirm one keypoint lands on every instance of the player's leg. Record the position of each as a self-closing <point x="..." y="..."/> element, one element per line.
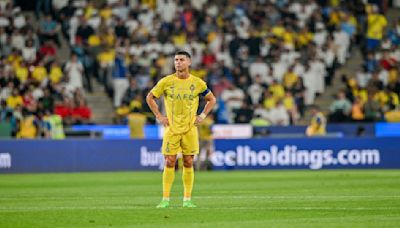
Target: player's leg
<point x="170" y="149"/>
<point x="188" y="180"/>
<point x="190" y="147"/>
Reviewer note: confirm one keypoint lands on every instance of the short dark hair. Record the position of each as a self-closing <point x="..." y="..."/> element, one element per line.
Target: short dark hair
<point x="183" y="53"/>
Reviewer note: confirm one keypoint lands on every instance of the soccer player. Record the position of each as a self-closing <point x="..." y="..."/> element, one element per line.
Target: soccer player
<point x="181" y="92"/>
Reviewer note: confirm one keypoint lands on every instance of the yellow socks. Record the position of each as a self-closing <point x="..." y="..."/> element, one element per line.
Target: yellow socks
<point x="168" y="179"/>
<point x="188" y="179"/>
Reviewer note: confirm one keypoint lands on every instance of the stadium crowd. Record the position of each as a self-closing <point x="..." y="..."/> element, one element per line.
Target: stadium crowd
<point x="39" y="93"/>
<point x="262" y="59"/>
<point x="265" y="60"/>
<point x="373" y="93"/>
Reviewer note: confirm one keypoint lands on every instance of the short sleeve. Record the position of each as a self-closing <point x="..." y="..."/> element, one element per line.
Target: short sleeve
<point x="158" y="90"/>
<point x="204" y="90"/>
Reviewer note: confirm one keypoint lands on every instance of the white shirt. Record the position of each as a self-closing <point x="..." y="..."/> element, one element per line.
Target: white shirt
<point x="226" y="57"/>
<point x="319" y="74"/>
<point x="363" y="78"/>
<point x="279" y="70"/>
<point x="136" y="50"/>
<point x="168" y="48"/>
<point x="153" y="47"/>
<point x="4" y="22"/>
<point x="59" y="4"/>
<point x="341" y="38"/>
<point x="299" y="69"/>
<point x="74" y="71"/>
<point x="131" y="25"/>
<point x="19" y="21"/>
<point x="383" y="76"/>
<point x="94" y="22"/>
<point x="255" y="91"/>
<point x="236" y="93"/>
<point x="121" y="12"/>
<point x="18" y="41"/>
<point x="29" y="54"/>
<point x="279" y="115"/>
<point x="147" y="19"/>
<point x="258" y="68"/>
<point x="320" y="38"/>
<point x="167" y="10"/>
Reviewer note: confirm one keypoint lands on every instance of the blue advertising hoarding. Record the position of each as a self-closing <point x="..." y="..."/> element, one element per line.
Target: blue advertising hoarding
<point x="115" y="155"/>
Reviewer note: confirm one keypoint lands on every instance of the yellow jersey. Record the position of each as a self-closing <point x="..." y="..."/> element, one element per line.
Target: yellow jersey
<point x="14" y="101"/>
<point x="56" y="74"/>
<point x="317" y="125"/>
<point x="205" y="131"/>
<point x="181" y="99"/>
<point x="376" y="26"/>
<point x="27" y="128"/>
<point x="136" y="122"/>
<point x="39" y="73"/>
<point x="22" y="73"/>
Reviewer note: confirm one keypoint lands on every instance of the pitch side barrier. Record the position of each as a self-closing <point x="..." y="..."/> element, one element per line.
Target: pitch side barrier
<point x="18" y="156"/>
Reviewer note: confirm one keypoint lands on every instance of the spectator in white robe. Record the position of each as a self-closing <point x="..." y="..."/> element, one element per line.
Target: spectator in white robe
<point x="342" y="41"/>
<point x="260" y="68"/>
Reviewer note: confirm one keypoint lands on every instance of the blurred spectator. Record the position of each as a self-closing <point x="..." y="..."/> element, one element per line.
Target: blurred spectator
<point x="376" y="25"/>
<point x="74" y="73"/>
<point x="340" y="109"/>
<point x="136" y="122"/>
<point x="53" y="126"/>
<point x="120" y="79"/>
<point x="7" y="125"/>
<point x="357" y="110"/>
<point x="48" y="30"/>
<point x="28" y="126"/>
<point x="317" y="125"/>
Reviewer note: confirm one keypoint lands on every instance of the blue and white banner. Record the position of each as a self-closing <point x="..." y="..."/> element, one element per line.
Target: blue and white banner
<point x="114" y="155"/>
<point x="310" y="153"/>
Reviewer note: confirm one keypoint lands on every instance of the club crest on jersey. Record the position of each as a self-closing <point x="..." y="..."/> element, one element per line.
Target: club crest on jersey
<point x="192" y="87"/>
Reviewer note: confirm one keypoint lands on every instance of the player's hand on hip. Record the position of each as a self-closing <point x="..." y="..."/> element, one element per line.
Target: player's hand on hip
<point x="163" y="120"/>
<point x="198" y="121"/>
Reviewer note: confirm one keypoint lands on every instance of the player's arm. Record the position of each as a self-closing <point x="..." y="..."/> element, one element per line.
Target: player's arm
<point x="151" y="101"/>
<point x="210" y="103"/>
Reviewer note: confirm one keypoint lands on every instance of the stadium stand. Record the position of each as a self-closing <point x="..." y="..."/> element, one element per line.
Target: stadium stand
<point x="266" y="60"/>
<point x="372" y="94"/>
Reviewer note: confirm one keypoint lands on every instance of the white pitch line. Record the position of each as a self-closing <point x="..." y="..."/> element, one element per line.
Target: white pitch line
<point x="203" y="197"/>
<point x="29" y="209"/>
<point x="292" y="197"/>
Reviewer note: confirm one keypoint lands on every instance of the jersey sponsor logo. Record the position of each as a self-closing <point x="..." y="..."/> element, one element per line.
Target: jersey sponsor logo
<point x="183" y="96"/>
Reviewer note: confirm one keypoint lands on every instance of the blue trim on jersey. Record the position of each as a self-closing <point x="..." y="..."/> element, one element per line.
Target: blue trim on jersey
<point x="205" y="92"/>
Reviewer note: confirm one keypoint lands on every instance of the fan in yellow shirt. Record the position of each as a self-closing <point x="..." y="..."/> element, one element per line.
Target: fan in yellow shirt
<point x="277" y="90"/>
<point x="376" y="24"/>
<point x="22" y="72"/>
<point x="317" y="126"/>
<point x="181" y="92"/>
<point x="289" y="79"/>
<point x="136" y="123"/>
<point x="56" y="73"/>
<point x="14" y="99"/>
<point x="39" y="72"/>
<point x="304" y="37"/>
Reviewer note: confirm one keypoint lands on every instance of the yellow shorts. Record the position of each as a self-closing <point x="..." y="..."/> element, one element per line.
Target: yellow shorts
<point x="187" y="143"/>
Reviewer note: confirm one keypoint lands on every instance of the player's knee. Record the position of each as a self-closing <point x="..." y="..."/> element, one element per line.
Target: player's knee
<point x="170" y="162"/>
<point x="188" y="162"/>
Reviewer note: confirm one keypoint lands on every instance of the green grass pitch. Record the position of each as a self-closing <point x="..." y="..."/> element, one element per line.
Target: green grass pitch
<point x="358" y="198"/>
